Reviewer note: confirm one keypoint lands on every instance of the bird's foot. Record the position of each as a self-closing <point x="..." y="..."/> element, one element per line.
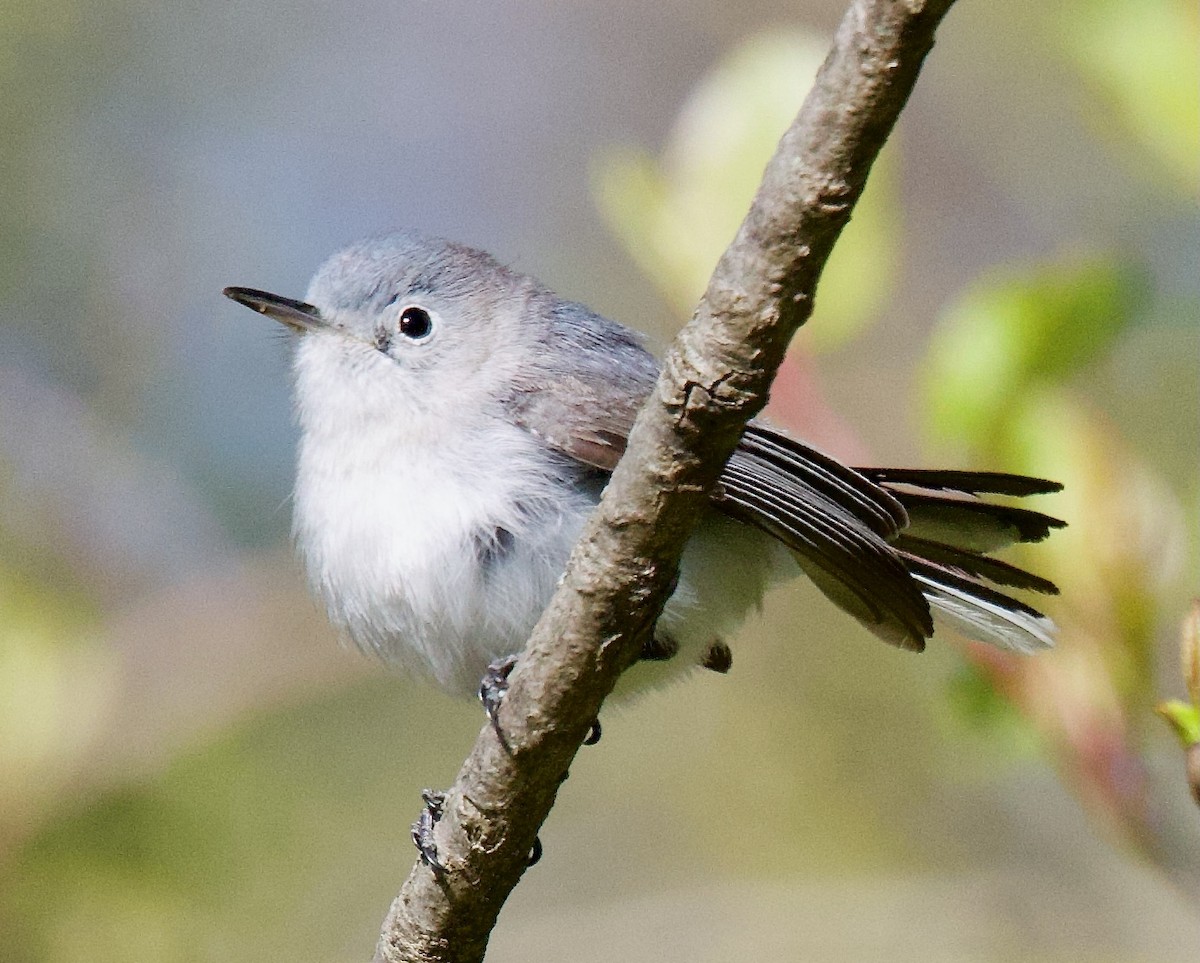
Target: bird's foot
<point x="492" y="690"/>
<point x="659" y="648"/>
<point x="718" y="658"/>
<point x="422" y="829"/>
<point x="422" y="832"/>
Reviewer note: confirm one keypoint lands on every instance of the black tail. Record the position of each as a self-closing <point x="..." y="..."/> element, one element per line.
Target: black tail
<point x="945" y="542"/>
<point x="895" y="548"/>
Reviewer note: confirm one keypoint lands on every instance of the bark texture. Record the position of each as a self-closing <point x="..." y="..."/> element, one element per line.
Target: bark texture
<point x="716" y="376"/>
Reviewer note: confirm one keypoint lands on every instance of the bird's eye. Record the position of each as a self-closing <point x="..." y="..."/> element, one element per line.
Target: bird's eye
<point x="415" y="323"/>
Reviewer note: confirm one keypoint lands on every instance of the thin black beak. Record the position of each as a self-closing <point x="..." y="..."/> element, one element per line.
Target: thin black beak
<point x="295" y="314"/>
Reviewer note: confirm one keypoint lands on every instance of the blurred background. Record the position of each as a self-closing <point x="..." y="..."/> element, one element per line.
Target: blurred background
<point x="192" y="768"/>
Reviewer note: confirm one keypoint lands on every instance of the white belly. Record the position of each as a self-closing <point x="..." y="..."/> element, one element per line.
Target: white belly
<point x="431" y="557"/>
<point x="438" y="562"/>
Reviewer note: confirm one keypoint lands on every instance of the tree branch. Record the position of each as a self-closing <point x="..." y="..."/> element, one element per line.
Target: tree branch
<point x="716" y="376"/>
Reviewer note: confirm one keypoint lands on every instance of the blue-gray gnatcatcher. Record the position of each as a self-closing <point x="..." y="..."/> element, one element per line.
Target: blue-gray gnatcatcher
<point x="459" y="420"/>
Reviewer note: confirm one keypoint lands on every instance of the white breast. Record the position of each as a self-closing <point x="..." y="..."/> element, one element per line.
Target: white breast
<point x="435" y="539"/>
<point x="434" y="543"/>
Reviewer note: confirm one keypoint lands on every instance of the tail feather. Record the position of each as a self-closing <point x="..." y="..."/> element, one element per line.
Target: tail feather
<point x="946" y="546"/>
<point x="980" y="612"/>
<point x="969" y="523"/>
<point x="974" y="564"/>
<point x="896" y="548"/>
<point x="967" y="482"/>
<point x="857" y="569"/>
<point x="874" y="505"/>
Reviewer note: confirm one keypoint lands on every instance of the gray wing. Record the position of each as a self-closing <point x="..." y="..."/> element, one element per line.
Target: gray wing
<point x="581" y="397"/>
<point x="873" y="540"/>
<point x="587" y="420"/>
<point x="584" y="385"/>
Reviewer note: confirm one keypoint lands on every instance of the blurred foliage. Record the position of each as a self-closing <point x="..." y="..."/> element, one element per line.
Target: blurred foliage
<point x="1184" y="717"/>
<point x="1006" y="380"/>
<point x="287" y="834"/>
<point x="201" y="862"/>
<point x="1003" y="381"/>
<point x="1189" y="652"/>
<point x="678" y="214"/>
<point x="1141" y="61"/>
<point x="973" y="703"/>
<point x="297" y="818"/>
<point x="56" y="684"/>
<point x="1016" y="333"/>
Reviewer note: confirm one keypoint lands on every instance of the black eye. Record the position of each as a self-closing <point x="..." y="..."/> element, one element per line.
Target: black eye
<point x="415" y="323"/>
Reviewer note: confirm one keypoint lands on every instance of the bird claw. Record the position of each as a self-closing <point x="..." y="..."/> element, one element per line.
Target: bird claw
<point x="492" y="689"/>
<point x="422" y="832"/>
<point x="422" y="829"/>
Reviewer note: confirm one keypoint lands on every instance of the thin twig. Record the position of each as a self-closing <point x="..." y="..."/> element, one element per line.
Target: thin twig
<point x="716" y="376"/>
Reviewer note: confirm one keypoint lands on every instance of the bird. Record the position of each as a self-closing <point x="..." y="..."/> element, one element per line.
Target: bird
<point x="458" y="421"/>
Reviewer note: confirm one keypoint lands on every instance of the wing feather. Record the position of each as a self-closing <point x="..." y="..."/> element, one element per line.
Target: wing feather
<point x="871" y="503"/>
<point x="884" y="544"/>
<point x="849" y="562"/>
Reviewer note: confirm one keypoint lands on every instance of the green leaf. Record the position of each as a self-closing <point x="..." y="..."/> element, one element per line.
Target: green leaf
<point x="1184" y="720"/>
<point x="1141" y="61"/>
<point x="1014" y="330"/>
